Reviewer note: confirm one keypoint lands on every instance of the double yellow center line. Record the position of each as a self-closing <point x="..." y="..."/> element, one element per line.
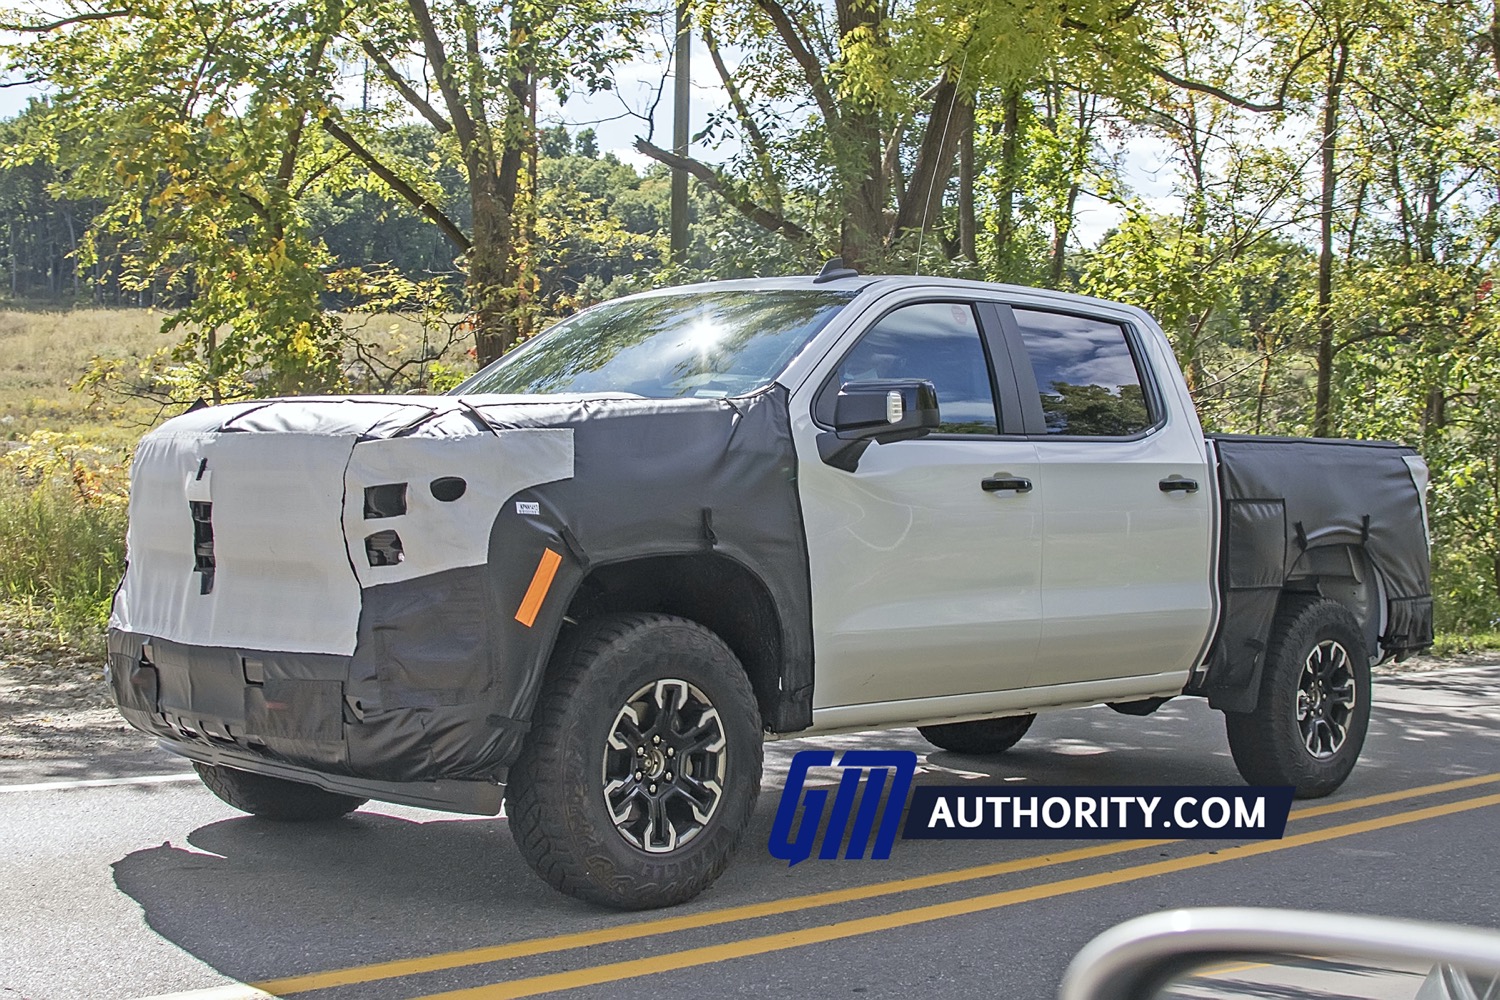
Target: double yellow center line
<point x="636" y="930"/>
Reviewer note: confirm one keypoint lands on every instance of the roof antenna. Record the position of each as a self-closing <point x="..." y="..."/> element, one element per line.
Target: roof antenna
<point x="942" y="141"/>
<point x="834" y="270"/>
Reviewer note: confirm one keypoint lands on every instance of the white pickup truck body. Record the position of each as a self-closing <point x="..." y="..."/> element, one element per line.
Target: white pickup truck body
<point x="867" y="502"/>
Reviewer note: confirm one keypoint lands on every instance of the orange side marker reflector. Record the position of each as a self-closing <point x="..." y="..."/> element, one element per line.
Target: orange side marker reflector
<point x="541" y="582"/>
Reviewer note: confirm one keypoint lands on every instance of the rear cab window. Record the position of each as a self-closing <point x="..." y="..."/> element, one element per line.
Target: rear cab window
<point x="1089" y="381"/>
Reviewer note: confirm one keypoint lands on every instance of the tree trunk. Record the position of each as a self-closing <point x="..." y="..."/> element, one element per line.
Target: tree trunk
<point x="863" y="186"/>
<point x="1060" y="233"/>
<point x="1010" y="146"/>
<point x="491" y="277"/>
<point x="1263" y="387"/>
<point x="857" y="146"/>
<point x="967" y="223"/>
<point x="1087" y="110"/>
<point x="494" y="267"/>
<point x="1323" y="400"/>
<point x="952" y="115"/>
<point x="681" y="111"/>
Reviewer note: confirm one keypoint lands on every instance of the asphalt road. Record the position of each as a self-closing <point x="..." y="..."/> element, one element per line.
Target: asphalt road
<point x="154" y="887"/>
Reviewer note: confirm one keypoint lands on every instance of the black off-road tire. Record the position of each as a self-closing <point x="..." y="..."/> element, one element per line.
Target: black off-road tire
<point x="275" y="798"/>
<point x="984" y="736"/>
<point x="1271" y="744"/>
<point x="556" y="798"/>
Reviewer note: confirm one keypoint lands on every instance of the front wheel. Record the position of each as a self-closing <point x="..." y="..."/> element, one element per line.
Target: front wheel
<point x="642" y="765"/>
<point x="1309" y="725"/>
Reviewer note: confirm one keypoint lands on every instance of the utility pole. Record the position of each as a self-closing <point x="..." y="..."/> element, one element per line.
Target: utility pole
<point x="681" y="94"/>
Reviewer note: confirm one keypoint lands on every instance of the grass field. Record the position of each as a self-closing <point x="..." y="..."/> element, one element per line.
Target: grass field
<point x="44" y="354"/>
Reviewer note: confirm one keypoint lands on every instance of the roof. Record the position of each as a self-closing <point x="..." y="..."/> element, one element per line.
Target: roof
<point x="881" y="283"/>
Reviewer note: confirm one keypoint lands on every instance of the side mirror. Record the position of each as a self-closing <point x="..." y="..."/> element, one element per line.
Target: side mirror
<point x="883" y="411"/>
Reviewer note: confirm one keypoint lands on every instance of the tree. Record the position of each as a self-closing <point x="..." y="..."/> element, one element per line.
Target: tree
<point x="852" y="115"/>
<point x="207" y="126"/>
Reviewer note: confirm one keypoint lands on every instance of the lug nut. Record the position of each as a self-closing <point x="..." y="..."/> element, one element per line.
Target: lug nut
<point x="639" y="775"/>
<point x="656" y="740"/>
<point x="640" y="751"/>
<point x="671" y="751"/>
<point x="653" y="789"/>
<point x="668" y="776"/>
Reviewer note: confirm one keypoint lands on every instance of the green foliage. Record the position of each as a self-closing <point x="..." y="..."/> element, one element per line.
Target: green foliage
<point x="600" y="226"/>
<point x="192" y="158"/>
<point x="1451" y="643"/>
<point x="62" y="529"/>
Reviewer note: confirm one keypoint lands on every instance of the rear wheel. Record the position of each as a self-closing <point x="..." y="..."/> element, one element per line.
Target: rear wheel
<point x="642" y="765"/>
<point x="1309" y="725"/>
<point x="275" y="798"/>
<point x="981" y="737"/>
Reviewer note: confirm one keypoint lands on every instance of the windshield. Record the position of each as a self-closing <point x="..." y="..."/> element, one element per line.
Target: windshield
<point x="708" y="343"/>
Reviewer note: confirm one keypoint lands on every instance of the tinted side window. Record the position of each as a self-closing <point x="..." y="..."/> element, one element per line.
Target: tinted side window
<point x="1086" y="374"/>
<point x="938" y="341"/>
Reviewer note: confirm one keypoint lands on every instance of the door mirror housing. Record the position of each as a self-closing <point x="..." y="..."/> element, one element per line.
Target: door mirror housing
<point x="883" y="411"/>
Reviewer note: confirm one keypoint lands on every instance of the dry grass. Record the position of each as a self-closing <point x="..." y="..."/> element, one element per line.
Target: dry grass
<point x="44" y="354"/>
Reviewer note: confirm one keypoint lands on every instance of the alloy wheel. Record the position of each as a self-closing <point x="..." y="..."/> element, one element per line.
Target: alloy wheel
<point x="664" y="765"/>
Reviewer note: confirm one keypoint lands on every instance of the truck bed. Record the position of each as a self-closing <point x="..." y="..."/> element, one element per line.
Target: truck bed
<point x="1315" y="514"/>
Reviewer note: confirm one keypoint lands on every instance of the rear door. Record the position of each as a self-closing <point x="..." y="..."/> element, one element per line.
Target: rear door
<point x="925" y="583"/>
<point x="1127" y="520"/>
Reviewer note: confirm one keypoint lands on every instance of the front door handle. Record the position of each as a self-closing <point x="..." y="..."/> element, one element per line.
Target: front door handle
<point x="996" y="484"/>
<point x="1178" y="485"/>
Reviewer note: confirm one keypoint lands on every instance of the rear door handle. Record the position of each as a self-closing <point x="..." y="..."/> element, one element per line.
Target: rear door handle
<point x="1178" y="485"/>
<point x="994" y="485"/>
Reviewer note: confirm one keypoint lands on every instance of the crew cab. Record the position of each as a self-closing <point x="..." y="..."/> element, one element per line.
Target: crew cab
<point x="590" y="581"/>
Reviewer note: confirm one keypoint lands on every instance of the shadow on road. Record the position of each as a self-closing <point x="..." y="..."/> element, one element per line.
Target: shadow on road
<point x="253" y="898"/>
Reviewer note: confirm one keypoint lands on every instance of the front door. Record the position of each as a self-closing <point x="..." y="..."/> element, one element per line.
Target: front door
<point x="925" y="582"/>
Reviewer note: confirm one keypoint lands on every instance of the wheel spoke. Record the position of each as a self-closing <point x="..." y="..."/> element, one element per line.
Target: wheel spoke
<point x="621" y="797"/>
<point x="627" y="732"/>
<point x="1335" y="663"/>
<point x="661" y="835"/>
<point x="670" y="697"/>
<point x="707" y="734"/>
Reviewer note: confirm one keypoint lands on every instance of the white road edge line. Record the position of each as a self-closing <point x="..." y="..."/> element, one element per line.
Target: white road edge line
<point x="234" y="991"/>
<point x="145" y="779"/>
